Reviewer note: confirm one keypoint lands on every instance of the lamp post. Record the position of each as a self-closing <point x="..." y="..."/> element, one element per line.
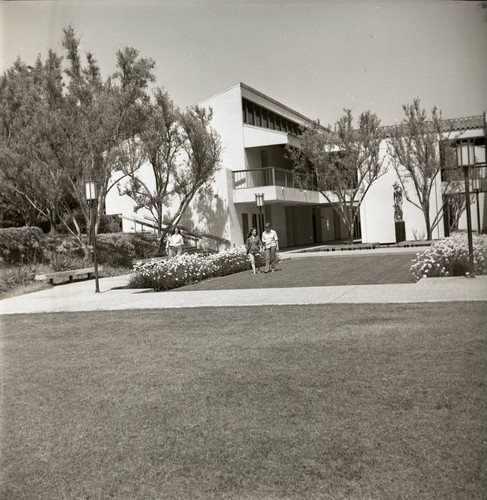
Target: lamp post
<point x="259" y="201"/>
<point x="477" y="191"/>
<point x="91" y="198"/>
<point x="466" y="159"/>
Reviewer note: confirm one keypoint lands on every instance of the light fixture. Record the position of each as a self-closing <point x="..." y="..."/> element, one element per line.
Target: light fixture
<point x="259" y="200"/>
<point x="90" y="190"/>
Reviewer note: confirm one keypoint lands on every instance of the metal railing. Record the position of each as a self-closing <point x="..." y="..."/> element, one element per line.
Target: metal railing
<point x="269" y="176"/>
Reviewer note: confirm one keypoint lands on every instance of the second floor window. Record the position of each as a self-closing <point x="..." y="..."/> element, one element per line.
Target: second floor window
<point x="253" y="114"/>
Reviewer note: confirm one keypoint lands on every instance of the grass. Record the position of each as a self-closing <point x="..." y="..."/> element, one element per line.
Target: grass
<point x="332" y="270"/>
<point x="333" y="401"/>
<point x="306" y="271"/>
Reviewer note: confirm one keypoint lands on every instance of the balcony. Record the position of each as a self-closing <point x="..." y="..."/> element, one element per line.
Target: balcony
<point x="271" y="176"/>
<point x="280" y="186"/>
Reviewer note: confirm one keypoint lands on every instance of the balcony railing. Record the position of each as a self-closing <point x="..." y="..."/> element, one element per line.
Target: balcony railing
<point x="269" y="176"/>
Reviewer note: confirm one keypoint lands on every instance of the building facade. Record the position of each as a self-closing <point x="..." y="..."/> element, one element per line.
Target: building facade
<point x="255" y="130"/>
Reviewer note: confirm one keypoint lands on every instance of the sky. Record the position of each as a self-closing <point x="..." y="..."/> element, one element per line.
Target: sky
<point x="317" y="57"/>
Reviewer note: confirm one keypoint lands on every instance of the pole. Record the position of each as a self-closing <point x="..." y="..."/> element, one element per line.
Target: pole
<point x="479" y="228"/>
<point x="259" y="225"/>
<point x="93" y="229"/>
<point x="469" y="221"/>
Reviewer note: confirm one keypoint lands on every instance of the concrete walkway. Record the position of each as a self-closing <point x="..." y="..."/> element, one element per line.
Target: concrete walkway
<point x="347" y="253"/>
<point x="81" y="296"/>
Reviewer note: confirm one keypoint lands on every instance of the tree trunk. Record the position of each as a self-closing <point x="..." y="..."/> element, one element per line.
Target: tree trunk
<point x="427" y="221"/>
<point x="350" y="233"/>
<point x="52" y="222"/>
<point x="159" y="222"/>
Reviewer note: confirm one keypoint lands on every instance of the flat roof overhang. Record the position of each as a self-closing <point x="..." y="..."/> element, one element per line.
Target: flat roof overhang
<point x="255" y="137"/>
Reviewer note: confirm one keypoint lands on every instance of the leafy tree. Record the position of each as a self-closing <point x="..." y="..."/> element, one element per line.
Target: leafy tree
<point x="57" y="132"/>
<point x="418" y="156"/>
<point x="183" y="152"/>
<point x="200" y="159"/>
<point x="158" y="144"/>
<point x="62" y="124"/>
<point x="28" y="98"/>
<point x="99" y="116"/>
<point x="341" y="163"/>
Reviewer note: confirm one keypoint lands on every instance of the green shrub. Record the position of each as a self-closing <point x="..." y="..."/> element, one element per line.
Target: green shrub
<point x="65" y="244"/>
<point x="450" y="257"/>
<point x="22" y="245"/>
<point x="189" y="268"/>
<point x="12" y="277"/>
<point x="146" y="245"/>
<point x="109" y="224"/>
<point x="65" y="262"/>
<point x="115" y="249"/>
<point x="65" y="252"/>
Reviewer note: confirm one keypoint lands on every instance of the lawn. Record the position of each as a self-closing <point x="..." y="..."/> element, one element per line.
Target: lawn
<point x="333" y="401"/>
<point x="329" y="270"/>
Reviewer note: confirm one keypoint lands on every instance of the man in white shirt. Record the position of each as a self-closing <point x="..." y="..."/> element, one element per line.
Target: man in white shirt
<point x="271" y="246"/>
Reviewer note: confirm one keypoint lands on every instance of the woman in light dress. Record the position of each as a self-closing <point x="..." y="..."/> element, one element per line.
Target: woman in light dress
<point x="254" y="247"/>
<point x="175" y="243"/>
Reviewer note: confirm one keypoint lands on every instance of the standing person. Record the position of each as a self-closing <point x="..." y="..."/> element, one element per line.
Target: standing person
<point x="271" y="246"/>
<point x="175" y="243"/>
<point x="254" y="245"/>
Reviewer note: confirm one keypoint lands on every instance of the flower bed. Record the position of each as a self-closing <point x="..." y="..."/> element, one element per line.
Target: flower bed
<point x="450" y="257"/>
<point x="189" y="268"/>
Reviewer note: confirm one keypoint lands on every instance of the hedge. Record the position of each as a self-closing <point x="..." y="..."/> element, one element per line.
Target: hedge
<point x="29" y="245"/>
<point x="190" y="268"/>
<point x="450" y="257"/>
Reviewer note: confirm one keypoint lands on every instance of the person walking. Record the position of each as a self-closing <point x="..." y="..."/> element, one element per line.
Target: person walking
<point x="254" y="246"/>
<point x="175" y="243"/>
<point x="271" y="247"/>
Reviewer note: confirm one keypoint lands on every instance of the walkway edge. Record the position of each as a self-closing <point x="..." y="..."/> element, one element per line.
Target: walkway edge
<point x="78" y="297"/>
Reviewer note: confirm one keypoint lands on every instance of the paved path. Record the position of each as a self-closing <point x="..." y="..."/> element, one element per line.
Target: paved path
<point x="82" y="297"/>
<point x="342" y="253"/>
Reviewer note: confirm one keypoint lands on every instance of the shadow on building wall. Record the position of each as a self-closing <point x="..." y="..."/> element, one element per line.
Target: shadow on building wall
<point x="207" y="214"/>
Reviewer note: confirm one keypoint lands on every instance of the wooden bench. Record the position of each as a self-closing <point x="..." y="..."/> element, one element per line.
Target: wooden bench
<point x="62" y="276"/>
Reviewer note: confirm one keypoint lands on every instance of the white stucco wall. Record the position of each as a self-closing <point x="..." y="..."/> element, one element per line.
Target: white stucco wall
<point x="227" y="120"/>
<point x="377" y="209"/>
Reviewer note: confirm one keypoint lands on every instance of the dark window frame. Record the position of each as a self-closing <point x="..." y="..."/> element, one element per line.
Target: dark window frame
<point x="254" y="114"/>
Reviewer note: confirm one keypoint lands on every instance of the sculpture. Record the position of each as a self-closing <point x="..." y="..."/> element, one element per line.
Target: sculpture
<point x="397" y="202"/>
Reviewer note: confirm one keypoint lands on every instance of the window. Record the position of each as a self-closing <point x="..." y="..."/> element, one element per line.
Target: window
<point x="272" y="123"/>
<point x="250" y="114"/>
<point x="253" y="114"/>
<point x="278" y="123"/>
<point x="258" y="119"/>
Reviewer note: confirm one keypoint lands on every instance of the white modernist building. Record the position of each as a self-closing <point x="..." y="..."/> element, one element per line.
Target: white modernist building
<point x="255" y="130"/>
